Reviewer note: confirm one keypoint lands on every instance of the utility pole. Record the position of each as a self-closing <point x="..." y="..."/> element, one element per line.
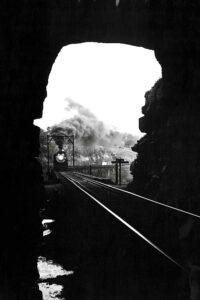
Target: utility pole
<point x="90" y="168"/>
<point x="116" y="173"/>
<point x="48" y="171"/>
<point x="118" y="169"/>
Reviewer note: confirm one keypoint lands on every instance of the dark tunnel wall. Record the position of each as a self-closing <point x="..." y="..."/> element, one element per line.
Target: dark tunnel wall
<point x="32" y="34"/>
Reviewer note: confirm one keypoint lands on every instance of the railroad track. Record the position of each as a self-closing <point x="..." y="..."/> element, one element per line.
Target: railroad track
<point x="138" y="214"/>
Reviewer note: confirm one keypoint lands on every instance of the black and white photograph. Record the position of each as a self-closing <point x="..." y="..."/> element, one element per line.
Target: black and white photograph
<point x="100" y="150"/>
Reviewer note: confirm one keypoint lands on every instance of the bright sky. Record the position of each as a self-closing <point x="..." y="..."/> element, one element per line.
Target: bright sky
<point x="108" y="79"/>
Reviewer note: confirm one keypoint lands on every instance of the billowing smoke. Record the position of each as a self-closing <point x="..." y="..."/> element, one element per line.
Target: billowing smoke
<point x="93" y="140"/>
<point x="58" y="137"/>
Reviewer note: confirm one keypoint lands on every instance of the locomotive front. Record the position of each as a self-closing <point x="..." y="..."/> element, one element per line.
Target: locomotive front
<point x="60" y="161"/>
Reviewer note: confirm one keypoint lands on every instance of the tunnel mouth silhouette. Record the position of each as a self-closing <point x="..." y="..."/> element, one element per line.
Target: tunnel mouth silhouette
<point x="90" y="118"/>
<point x="94" y="95"/>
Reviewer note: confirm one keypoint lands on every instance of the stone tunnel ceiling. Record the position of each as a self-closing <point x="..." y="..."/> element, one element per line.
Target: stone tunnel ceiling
<point x="35" y="32"/>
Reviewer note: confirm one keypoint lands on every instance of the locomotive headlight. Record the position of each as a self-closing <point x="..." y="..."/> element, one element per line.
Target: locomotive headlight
<point x="61" y="157"/>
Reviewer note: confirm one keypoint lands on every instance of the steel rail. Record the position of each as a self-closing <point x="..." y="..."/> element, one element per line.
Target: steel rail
<point x="83" y="189"/>
<point x="139" y="196"/>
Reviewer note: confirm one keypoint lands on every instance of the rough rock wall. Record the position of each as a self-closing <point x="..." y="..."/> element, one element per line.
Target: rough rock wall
<point x="168" y="165"/>
<point x="170" y="148"/>
<point x="150" y="164"/>
<point x="23" y="75"/>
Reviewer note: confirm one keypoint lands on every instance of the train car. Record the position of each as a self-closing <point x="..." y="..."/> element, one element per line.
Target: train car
<point x="60" y="161"/>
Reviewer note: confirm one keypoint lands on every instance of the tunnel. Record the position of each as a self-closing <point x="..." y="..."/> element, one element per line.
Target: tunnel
<point x="33" y="33"/>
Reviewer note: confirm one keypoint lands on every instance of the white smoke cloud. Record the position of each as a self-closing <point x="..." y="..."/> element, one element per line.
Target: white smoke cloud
<point x="92" y="137"/>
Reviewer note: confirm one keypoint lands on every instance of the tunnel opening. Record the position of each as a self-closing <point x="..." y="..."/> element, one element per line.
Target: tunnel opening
<point x="95" y="93"/>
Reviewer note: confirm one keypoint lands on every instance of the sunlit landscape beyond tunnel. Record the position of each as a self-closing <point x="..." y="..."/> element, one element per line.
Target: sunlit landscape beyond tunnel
<point x="96" y="92"/>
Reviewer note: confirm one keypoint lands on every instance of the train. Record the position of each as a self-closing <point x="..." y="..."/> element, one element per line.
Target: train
<point x="60" y="161"/>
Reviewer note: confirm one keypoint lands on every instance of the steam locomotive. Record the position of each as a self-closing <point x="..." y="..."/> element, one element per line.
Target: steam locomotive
<point x="60" y="161"/>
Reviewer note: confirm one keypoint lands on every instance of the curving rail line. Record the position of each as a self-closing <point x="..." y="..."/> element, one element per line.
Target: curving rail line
<point x="113" y="188"/>
<point x="95" y="190"/>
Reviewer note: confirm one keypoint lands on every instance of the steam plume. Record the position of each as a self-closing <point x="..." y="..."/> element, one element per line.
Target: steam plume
<point x="90" y="133"/>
